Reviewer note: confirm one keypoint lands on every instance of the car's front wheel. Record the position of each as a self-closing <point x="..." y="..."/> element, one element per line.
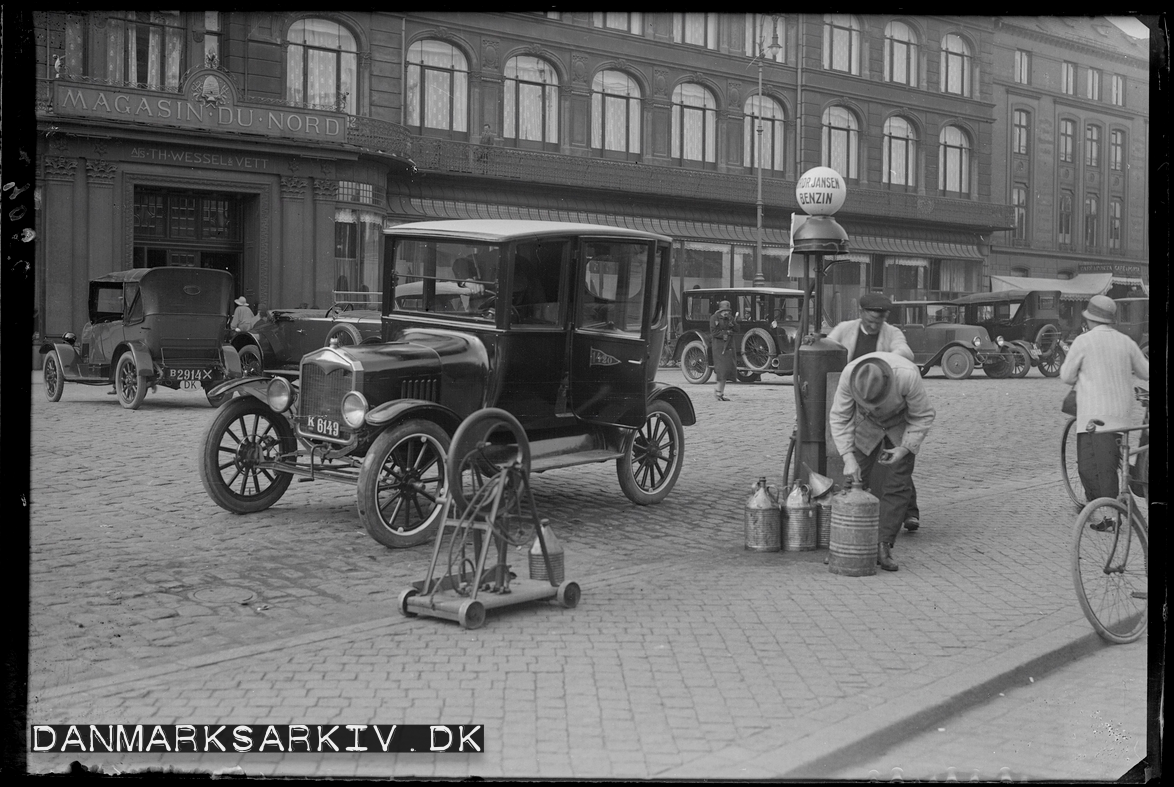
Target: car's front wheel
<point x="957" y="363"/>
<point x="653" y="456"/>
<point x="251" y="363"/>
<point x="346" y="334"/>
<point x="244" y="435"/>
<point x="998" y="364"/>
<point x="1049" y="365"/>
<point x="1021" y="363"/>
<point x="53" y="376"/>
<point x="128" y="385"/>
<point x="695" y="362"/>
<point x="400" y="482"/>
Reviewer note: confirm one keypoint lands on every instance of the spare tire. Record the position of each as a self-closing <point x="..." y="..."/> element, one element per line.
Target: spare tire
<point x="758" y="349"/>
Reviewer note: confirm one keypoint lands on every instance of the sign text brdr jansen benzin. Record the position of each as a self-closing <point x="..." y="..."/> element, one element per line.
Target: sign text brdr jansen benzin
<point x="201" y="738"/>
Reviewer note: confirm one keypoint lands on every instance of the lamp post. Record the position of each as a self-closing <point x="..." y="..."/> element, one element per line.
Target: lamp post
<point x="772" y="50"/>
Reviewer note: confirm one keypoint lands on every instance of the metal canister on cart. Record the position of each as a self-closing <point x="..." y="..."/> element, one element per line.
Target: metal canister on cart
<point x="799" y="520"/>
<point x="854" y="532"/>
<point x="554" y="550"/>
<point x="823" y="521"/>
<point x="762" y="518"/>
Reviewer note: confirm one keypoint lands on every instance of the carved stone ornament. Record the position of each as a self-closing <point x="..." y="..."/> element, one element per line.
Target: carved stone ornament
<point x="660" y="82"/>
<point x="1020" y="166"/>
<point x="735" y="91"/>
<point x="578" y="68"/>
<point x="100" y="147"/>
<point x="925" y="205"/>
<point x="489" y="53"/>
<point x="101" y="172"/>
<point x="327" y="168"/>
<point x="325" y="189"/>
<point x="1066" y="173"/>
<point x="293" y="187"/>
<point x="58" y="168"/>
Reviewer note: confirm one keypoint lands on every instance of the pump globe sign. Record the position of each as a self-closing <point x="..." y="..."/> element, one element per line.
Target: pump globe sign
<point x="820" y="191"/>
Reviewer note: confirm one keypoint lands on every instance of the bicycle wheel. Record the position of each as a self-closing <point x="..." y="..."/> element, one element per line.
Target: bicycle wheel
<point x="1069" y="469"/>
<point x="1109" y="570"/>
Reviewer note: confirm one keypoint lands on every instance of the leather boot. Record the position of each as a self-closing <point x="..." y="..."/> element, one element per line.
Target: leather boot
<point x="884" y="558"/>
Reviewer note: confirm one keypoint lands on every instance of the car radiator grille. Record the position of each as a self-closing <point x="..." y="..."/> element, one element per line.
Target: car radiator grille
<point x="427" y="388"/>
<point x="322" y="392"/>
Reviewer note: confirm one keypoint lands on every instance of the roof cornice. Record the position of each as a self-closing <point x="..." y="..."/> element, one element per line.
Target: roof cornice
<point x="1074" y="44"/>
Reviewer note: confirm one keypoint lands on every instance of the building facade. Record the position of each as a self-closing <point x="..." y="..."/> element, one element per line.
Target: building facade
<point x="1072" y="154"/>
<point x="278" y="145"/>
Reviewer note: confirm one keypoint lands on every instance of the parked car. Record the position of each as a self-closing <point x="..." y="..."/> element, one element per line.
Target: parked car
<point x="562" y="327"/>
<point x="1133" y="320"/>
<point x="278" y="343"/>
<point x="937" y="338"/>
<point x="1029" y="319"/>
<point x="148" y="327"/>
<point x="768" y="327"/>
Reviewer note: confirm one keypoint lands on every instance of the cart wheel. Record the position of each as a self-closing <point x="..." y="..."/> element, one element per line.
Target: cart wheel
<point x="568" y="594"/>
<point x="472" y="614"/>
<point x="403" y="602"/>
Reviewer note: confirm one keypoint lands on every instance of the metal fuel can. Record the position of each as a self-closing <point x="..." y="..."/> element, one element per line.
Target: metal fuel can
<point x="854" y="532"/>
<point x="762" y="518"/>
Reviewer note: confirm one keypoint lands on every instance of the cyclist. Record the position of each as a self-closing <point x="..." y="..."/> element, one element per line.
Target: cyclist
<point x="1101" y="364"/>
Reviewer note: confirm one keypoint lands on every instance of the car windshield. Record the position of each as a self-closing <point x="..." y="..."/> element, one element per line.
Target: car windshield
<point x="941" y="312"/>
<point x="456" y="278"/>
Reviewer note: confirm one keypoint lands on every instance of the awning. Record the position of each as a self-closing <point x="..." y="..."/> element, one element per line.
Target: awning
<point x="911" y="247"/>
<point x="417" y="208"/>
<point x="1082" y="286"/>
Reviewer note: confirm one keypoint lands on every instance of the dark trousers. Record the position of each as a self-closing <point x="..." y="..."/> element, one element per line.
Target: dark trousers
<point x="892" y="485"/>
<point x="1097" y="459"/>
<point x="914" y="510"/>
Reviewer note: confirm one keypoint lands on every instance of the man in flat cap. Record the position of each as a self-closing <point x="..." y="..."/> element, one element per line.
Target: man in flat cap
<point x="871" y="333"/>
<point x="880" y="415"/>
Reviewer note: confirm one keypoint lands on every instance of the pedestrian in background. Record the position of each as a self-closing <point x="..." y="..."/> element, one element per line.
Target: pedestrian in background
<point x="879" y="417"/>
<point x="242" y="316"/>
<point x="872" y="333"/>
<point x="723" y="324"/>
<point x="1101" y="364"/>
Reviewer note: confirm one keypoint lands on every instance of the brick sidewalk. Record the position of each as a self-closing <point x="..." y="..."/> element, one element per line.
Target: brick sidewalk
<point x="688" y="656"/>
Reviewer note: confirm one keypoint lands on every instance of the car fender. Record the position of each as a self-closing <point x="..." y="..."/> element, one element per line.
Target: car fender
<point x="677" y="398"/>
<point x="256" y="387"/>
<point x="143" y="361"/>
<point x="232" y="361"/>
<point x="402" y="409"/>
<point x="67" y="353"/>
<point x="690" y="336"/>
<point x="1027" y="347"/>
<point x="937" y="358"/>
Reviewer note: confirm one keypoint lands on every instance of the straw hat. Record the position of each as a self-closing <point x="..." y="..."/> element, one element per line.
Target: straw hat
<point x="241" y="301"/>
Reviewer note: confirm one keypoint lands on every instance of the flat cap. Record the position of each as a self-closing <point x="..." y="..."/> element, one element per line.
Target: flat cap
<point x="874" y="300"/>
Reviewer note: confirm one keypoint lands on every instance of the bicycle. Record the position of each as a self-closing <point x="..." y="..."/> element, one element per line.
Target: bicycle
<point x="1069" y="469"/>
<point x="1110" y="549"/>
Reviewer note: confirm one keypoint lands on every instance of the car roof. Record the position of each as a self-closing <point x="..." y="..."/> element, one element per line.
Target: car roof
<point x="744" y="291"/>
<point x="1000" y="295"/>
<point x="138" y="274"/>
<point x="502" y="230"/>
<point x="920" y="303"/>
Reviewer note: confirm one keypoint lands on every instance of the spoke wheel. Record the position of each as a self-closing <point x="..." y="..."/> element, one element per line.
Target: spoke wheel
<point x="131" y="388"/>
<point x="998" y="365"/>
<point x="1049" y="365"/>
<point x="695" y="363"/>
<point x="1109" y="570"/>
<point x="957" y="363"/>
<point x="757" y="349"/>
<point x="1021" y="362"/>
<point x="653" y="455"/>
<point x="244" y="435"/>
<point x="53" y="375"/>
<point x="1069" y="468"/>
<point x="400" y="482"/>
<point x="346" y="334"/>
<point x="251" y="363"/>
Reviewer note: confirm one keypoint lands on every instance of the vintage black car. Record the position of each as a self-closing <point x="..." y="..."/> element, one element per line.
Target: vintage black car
<point x="1028" y="319"/>
<point x="279" y="342"/>
<point x="937" y="338"/>
<point x="561" y="327"/>
<point x="1133" y="320"/>
<point x="768" y="323"/>
<point x="149" y="327"/>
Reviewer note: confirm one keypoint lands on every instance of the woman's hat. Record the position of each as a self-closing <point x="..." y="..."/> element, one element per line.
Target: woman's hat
<point x="1101" y="308"/>
<point x="241" y="301"/>
<point x="724" y="306"/>
<point x="871" y="380"/>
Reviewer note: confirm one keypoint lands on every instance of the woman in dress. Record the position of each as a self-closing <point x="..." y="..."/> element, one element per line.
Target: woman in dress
<point x="722" y="326"/>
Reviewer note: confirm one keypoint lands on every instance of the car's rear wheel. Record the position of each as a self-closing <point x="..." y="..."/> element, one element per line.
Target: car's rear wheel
<point x="252" y="364"/>
<point x="746" y="376"/>
<point x="128" y="385"/>
<point x="346" y="334"/>
<point x="695" y="362"/>
<point x="998" y="364"/>
<point x="758" y="348"/>
<point x="400" y="482"/>
<point x="1021" y="362"/>
<point x="1049" y="365"/>
<point x="53" y="375"/>
<point x="957" y="363"/>
<point x="245" y="434"/>
<point x="653" y="456"/>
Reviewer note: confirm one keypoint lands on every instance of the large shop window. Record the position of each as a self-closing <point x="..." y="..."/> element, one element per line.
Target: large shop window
<point x="953" y="278"/>
<point x="775" y="262"/>
<point x="321" y="64"/>
<point x="438" y="87"/>
<point x="177" y="228"/>
<point x="906" y="277"/>
<point x="531" y="100"/>
<point x="706" y="264"/>
<point x="357" y="259"/>
<point x="615" y="113"/>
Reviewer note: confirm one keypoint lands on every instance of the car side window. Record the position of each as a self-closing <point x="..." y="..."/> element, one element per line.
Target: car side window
<point x="612" y="297"/>
<point x="538" y="282"/>
<point x="132" y="296"/>
<point x="106" y="302"/>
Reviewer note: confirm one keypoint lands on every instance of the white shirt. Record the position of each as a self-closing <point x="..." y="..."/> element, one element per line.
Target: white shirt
<point x="1101" y="364"/>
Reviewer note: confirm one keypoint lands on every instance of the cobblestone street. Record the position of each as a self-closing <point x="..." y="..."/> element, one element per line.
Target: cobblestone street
<point x="688" y="656"/>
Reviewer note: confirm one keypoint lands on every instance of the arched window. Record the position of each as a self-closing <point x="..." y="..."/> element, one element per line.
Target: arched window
<point x="900" y="153"/>
<point x="321" y="65"/>
<point x="956" y="65"/>
<point x="841" y="142"/>
<point x="1064" y="225"/>
<point x="954" y="160"/>
<point x="694" y="124"/>
<point x="772" y="133"/>
<point x="1019" y="200"/>
<point x="1092" y="206"/>
<point x="531" y="100"/>
<point x="437" y="93"/>
<point x="841" y="43"/>
<point x="615" y="112"/>
<point x="901" y="58"/>
<point x="1020" y="131"/>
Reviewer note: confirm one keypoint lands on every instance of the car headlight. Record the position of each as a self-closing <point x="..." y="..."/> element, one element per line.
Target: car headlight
<point x="999" y="340"/>
<point x="976" y="341"/>
<point x="279" y="394"/>
<point x="354" y="409"/>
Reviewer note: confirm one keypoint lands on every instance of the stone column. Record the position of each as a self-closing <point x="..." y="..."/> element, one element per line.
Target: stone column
<point x="61" y="268"/>
<point x="296" y="282"/>
<point x="100" y="181"/>
<point x="325" y="195"/>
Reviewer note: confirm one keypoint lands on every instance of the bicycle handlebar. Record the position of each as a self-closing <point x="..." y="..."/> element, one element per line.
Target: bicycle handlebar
<point x="1094" y="423"/>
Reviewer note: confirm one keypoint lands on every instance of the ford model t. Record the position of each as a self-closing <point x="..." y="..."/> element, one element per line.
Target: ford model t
<point x="1023" y="323"/>
<point x="148" y="327"/>
<point x="561" y="325"/>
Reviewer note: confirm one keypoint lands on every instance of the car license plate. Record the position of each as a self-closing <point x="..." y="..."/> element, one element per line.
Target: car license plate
<point x="193" y="375"/>
<point x="327" y="427"/>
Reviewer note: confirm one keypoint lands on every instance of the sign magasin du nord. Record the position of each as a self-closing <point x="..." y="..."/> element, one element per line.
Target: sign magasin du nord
<point x="207" y="102"/>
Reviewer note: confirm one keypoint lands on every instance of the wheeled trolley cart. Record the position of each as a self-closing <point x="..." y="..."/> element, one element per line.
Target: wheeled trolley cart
<point x="487" y="508"/>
